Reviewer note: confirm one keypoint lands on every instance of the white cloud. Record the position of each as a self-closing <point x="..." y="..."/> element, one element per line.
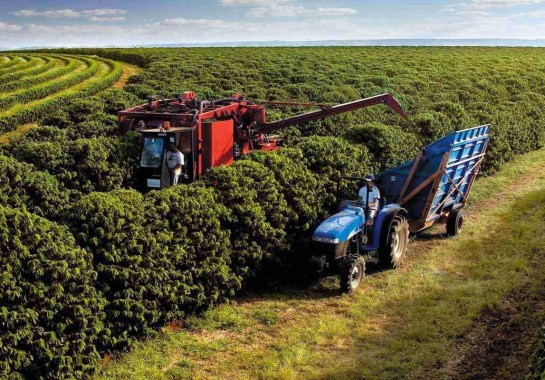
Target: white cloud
<point x="485" y="7"/>
<point x="5" y="27"/>
<point x="106" y="19"/>
<point x="195" y="22"/>
<point x="286" y="8"/>
<point x="252" y="2"/>
<point x="70" y="13"/>
<point x="501" y="3"/>
<point x="290" y="10"/>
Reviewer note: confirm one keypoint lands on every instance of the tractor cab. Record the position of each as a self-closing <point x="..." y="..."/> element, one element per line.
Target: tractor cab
<point x="154" y="172"/>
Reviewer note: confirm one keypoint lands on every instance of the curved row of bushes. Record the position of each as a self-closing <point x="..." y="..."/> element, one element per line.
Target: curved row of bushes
<point x="33" y="80"/>
<point x="14" y="64"/>
<point x="60" y="92"/>
<point x="41" y="91"/>
<point x="29" y="63"/>
<point x="50" y="63"/>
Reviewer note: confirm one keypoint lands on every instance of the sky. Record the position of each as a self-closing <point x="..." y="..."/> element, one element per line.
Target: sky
<point x="26" y="23"/>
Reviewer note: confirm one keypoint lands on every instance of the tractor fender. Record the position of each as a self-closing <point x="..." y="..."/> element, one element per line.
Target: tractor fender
<point x="383" y="223"/>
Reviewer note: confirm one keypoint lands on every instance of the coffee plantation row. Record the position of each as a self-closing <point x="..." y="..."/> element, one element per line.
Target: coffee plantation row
<point x="35" y="84"/>
<point x="93" y="265"/>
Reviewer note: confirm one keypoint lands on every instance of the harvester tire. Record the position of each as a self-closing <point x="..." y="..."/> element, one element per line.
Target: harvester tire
<point x="393" y="248"/>
<point x="455" y="222"/>
<point x="351" y="272"/>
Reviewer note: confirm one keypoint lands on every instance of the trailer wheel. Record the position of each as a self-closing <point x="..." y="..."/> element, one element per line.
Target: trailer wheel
<point x="352" y="270"/>
<point x="393" y="249"/>
<point x="455" y="222"/>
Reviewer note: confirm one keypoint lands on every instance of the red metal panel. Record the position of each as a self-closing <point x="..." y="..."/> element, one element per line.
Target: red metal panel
<point x="217" y="146"/>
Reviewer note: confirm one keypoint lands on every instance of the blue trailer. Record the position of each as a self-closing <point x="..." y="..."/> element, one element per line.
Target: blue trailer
<point x="416" y="195"/>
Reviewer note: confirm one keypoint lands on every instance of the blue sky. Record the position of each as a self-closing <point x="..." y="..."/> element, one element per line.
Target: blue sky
<point x="137" y="22"/>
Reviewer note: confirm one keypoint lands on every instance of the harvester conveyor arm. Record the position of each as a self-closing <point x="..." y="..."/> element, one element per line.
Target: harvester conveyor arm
<point x="386" y="99"/>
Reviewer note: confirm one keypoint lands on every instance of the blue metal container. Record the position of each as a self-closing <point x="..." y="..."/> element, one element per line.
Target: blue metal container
<point x="440" y="178"/>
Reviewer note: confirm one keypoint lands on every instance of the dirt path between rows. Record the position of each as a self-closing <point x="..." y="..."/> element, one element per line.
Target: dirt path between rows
<point x="501" y="341"/>
<point x="128" y="71"/>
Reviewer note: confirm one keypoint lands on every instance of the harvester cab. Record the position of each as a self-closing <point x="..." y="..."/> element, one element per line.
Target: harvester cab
<point x="155" y="144"/>
<point x="212" y="133"/>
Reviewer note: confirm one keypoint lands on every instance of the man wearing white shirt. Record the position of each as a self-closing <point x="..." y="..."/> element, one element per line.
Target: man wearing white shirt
<point x="370" y="193"/>
<point x="175" y="163"/>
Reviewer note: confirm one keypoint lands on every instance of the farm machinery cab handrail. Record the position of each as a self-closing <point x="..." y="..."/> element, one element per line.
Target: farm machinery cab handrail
<point x="433" y="188"/>
<point x="215" y="132"/>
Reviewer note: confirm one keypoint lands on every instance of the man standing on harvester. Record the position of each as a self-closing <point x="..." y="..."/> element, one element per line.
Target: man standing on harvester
<point x="369" y="196"/>
<point x="175" y="163"/>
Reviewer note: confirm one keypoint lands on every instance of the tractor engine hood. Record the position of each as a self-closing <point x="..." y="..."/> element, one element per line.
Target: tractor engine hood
<point x="341" y="226"/>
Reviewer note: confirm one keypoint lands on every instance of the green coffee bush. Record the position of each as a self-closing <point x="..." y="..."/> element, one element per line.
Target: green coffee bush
<point x="23" y="187"/>
<point x="137" y="274"/>
<point x="86" y="165"/>
<point x="332" y="157"/>
<point x="259" y="213"/>
<point x="50" y="313"/>
<point x="389" y="145"/>
<point x="297" y="184"/>
<point x="186" y="221"/>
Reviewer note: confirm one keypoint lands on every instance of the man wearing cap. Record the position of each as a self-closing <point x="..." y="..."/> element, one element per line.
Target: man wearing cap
<point x="175" y="163"/>
<point x="369" y="195"/>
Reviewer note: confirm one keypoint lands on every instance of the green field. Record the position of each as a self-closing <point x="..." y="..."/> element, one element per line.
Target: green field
<point x="93" y="267"/>
<point x="35" y="84"/>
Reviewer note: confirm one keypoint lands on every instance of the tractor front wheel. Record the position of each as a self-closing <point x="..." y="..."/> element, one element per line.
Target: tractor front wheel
<point x="393" y="248"/>
<point x="352" y="270"/>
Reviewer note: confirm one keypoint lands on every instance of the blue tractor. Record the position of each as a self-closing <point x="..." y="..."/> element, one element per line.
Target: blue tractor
<point x="431" y="189"/>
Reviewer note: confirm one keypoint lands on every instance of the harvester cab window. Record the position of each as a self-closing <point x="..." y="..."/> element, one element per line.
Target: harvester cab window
<point x="152" y="152"/>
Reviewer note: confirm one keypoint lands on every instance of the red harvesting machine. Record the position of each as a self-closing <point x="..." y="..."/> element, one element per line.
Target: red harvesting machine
<point x="215" y="132"/>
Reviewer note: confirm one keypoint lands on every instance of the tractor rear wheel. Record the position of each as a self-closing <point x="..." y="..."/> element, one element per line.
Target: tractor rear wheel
<point x="393" y="249"/>
<point x="455" y="222"/>
<point x="352" y="270"/>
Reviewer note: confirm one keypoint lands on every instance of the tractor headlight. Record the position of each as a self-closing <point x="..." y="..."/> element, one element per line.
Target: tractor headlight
<point x="326" y="240"/>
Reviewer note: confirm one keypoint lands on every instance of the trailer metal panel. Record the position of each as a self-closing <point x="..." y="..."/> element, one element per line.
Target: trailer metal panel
<point x="440" y="179"/>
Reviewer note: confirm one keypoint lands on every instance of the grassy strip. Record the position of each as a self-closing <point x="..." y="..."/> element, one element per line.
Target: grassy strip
<point x="51" y="87"/>
<point x="128" y="71"/>
<point x="36" y="110"/>
<point x="403" y="323"/>
<point x="51" y="63"/>
<point x="16" y="134"/>
<point x="38" y="79"/>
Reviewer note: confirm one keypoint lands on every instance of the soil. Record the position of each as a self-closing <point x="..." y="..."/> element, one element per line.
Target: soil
<point x="501" y="341"/>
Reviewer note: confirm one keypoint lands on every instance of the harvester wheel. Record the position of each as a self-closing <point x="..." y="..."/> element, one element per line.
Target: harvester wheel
<point x="455" y="222"/>
<point x="393" y="249"/>
<point x="352" y="270"/>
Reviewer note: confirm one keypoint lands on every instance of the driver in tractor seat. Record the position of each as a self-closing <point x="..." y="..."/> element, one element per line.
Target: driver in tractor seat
<point x="175" y="163"/>
<point x="369" y="193"/>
